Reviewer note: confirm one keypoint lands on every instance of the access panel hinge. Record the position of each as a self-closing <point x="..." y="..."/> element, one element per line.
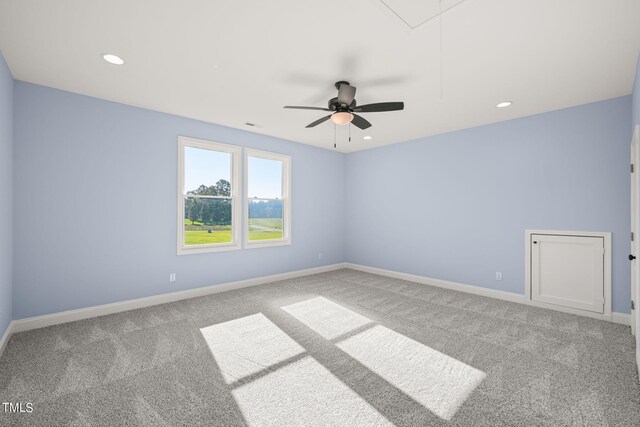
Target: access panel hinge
<point x="633" y="305"/>
<point x="632" y="236"/>
<point x="631" y="167"/>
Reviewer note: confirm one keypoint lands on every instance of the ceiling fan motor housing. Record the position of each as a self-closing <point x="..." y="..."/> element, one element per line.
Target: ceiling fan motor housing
<point x="335" y="105"/>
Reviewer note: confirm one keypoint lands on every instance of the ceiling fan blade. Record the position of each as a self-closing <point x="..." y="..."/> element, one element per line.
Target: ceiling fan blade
<point x="346" y="93"/>
<point x="379" y="107"/>
<point x="360" y="122"/>
<point x="317" y="122"/>
<point x="305" y="108"/>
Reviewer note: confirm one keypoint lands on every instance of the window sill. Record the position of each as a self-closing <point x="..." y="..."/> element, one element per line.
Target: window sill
<point x="205" y="249"/>
<point x="266" y="244"/>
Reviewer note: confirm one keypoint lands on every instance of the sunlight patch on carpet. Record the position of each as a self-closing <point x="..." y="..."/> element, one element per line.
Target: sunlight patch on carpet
<point x="438" y="382"/>
<point x="275" y="382"/>
<point x="304" y="393"/>
<point x="326" y="317"/>
<point x="245" y="346"/>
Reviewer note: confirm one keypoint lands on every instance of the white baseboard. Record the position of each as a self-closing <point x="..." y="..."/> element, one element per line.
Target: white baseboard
<point x="5" y="337"/>
<point x="621" y="318"/>
<point x="470" y="289"/>
<point x="117" y="307"/>
<point x="101" y="310"/>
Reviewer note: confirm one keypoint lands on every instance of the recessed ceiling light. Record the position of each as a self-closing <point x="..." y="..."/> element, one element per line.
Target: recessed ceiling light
<point x="367" y="137"/>
<point x="113" y="59"/>
<point x="504" y="104"/>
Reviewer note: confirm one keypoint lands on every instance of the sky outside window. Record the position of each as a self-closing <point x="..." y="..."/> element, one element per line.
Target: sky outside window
<point x="264" y="178"/>
<point x="205" y="167"/>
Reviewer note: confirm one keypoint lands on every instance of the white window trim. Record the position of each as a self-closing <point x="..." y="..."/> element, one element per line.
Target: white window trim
<point x="236" y="215"/>
<point x="286" y="198"/>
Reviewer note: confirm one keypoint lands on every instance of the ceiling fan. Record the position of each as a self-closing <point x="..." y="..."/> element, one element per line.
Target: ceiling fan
<point x="344" y="108"/>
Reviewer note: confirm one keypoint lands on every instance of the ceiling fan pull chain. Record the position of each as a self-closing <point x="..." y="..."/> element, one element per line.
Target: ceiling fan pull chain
<point x="334" y="135"/>
<point x="349" y="132"/>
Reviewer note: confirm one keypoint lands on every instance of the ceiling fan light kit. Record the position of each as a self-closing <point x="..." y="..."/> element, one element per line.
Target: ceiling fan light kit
<point x="341" y="118"/>
<point x="344" y="107"/>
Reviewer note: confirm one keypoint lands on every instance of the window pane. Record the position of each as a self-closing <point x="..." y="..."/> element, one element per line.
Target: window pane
<point x="207" y="172"/>
<point x="265" y="178"/>
<point x="207" y="221"/>
<point x="265" y="219"/>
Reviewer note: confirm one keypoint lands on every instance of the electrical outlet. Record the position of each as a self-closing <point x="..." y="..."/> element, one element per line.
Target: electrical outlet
<point x="498" y="275"/>
<point x="319" y="255"/>
<point x="172" y="277"/>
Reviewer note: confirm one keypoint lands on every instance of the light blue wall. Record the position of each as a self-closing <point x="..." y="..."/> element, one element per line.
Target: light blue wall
<point x="95" y="186"/>
<point x="95" y="204"/>
<point x="6" y="194"/>
<point x="636" y="96"/>
<point x="456" y="206"/>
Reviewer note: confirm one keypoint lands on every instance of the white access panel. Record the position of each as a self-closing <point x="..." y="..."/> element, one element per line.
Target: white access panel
<point x="568" y="271"/>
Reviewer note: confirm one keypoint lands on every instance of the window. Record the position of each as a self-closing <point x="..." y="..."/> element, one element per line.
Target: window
<point x="268" y="205"/>
<point x="208" y="189"/>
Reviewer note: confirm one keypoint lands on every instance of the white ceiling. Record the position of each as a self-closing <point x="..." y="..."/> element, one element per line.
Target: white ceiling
<point x="232" y="62"/>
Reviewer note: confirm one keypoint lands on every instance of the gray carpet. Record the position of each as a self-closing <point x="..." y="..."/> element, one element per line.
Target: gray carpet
<point x="338" y="348"/>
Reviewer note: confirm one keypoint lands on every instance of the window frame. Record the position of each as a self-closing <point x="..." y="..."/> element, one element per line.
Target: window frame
<point x="285" y="198"/>
<point x="236" y="214"/>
